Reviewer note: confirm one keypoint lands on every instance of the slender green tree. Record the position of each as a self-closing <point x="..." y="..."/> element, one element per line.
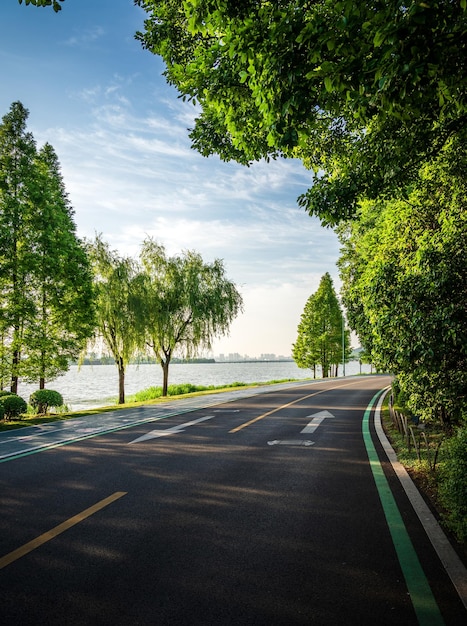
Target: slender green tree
<point x="45" y="280"/>
<point x="304" y="350"/>
<point x="187" y="303"/>
<point x="61" y="279"/>
<point x="17" y="154"/>
<point x="321" y="338"/>
<point x="117" y="302"/>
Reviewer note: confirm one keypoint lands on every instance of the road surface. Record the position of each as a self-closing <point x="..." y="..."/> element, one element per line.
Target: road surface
<point x="270" y="507"/>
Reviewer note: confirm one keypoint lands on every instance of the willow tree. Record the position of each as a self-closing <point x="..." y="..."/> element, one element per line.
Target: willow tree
<point x="187" y="303"/>
<point x="321" y="338"/>
<point x="116" y="281"/>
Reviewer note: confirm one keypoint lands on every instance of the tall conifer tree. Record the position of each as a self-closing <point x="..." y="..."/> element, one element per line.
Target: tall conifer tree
<point x="322" y="339"/>
<point x="46" y="302"/>
<point x="17" y="153"/>
<point x="61" y="281"/>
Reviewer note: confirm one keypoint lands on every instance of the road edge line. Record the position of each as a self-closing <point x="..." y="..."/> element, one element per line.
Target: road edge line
<point x="423" y="601"/>
<point x="453" y="565"/>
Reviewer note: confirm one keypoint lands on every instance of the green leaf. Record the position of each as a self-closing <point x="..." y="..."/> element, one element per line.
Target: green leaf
<point x="379" y="38"/>
<point x="382" y="82"/>
<point x="328" y="84"/>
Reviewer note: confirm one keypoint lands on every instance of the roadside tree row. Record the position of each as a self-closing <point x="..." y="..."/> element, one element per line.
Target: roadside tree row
<point x="404" y="272"/>
<point x="60" y="295"/>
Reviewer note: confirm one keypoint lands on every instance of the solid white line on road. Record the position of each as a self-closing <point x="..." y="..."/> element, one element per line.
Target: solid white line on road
<point x="316" y="421"/>
<point x="154" y="434"/>
<point x="291" y="442"/>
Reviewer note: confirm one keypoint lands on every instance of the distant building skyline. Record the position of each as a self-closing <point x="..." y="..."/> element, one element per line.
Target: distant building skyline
<point x="236" y="356"/>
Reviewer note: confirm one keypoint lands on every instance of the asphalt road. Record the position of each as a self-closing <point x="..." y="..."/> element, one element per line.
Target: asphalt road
<point x="262" y="509"/>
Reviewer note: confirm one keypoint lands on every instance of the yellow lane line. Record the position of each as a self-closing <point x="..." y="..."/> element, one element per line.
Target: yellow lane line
<point x="284" y="406"/>
<point x="51" y="534"/>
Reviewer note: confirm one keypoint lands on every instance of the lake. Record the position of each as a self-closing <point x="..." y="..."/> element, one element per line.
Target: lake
<point x="92" y="386"/>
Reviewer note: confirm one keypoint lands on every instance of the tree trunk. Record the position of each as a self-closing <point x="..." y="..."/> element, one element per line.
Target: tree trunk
<point x="42" y="370"/>
<point x="165" y="376"/>
<point x="14" y="384"/>
<point x="14" y="375"/>
<point x="121" y="381"/>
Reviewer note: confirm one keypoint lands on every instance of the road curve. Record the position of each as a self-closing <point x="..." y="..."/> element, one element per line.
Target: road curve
<point x="252" y="508"/>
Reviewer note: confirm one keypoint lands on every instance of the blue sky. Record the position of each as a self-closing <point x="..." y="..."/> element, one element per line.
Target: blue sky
<point x="121" y="136"/>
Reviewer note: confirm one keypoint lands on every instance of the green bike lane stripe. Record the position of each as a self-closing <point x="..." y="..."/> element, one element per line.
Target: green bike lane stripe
<point x="424" y="604"/>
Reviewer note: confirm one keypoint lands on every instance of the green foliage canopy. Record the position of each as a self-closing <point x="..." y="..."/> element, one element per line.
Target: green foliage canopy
<point x="404" y="273"/>
<point x="13" y="406"/>
<point x="43" y="399"/>
<point x="362" y="93"/>
<point x="17" y="154"/>
<point x="44" y="3"/>
<point x="165" y="304"/>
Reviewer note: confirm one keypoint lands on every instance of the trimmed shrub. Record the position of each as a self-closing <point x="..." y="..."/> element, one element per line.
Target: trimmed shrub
<point x="2" y="411"/>
<point x="3" y="392"/>
<point x="13" y="405"/>
<point x="42" y="399"/>
<point x="453" y="483"/>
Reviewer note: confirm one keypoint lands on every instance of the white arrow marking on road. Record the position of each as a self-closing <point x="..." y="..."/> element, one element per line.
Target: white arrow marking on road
<point x="154" y="434"/>
<point x="290" y="442"/>
<point x="316" y="421"/>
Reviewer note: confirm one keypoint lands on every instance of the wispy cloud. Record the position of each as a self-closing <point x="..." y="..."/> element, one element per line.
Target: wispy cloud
<point x="85" y="38"/>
